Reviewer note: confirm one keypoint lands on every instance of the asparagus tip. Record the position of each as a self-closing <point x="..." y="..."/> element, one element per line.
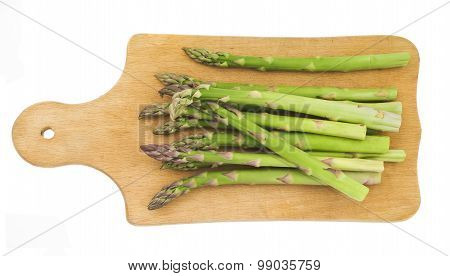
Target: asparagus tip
<point x="166" y="128"/>
<point x="168" y="154"/>
<point x="171" y="89"/>
<point x="167" y="194"/>
<point x="206" y="57"/>
<point x="164" y="152"/>
<point x="154" y="110"/>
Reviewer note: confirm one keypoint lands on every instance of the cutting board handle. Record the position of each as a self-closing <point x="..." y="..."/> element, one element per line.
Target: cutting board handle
<point x="67" y="122"/>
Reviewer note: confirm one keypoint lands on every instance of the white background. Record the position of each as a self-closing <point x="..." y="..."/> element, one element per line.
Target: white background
<point x="37" y="65"/>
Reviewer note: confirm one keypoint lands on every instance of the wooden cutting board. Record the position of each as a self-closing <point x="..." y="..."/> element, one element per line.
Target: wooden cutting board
<point x="105" y="133"/>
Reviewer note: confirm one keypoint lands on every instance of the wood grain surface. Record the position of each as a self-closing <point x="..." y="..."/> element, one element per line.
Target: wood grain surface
<point x="105" y="133"/>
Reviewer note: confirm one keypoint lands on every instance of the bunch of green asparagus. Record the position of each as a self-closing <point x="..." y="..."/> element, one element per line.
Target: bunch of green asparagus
<point x="301" y="135"/>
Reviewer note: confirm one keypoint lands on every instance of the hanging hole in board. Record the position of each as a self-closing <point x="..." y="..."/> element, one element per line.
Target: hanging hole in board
<point x="47" y="133"/>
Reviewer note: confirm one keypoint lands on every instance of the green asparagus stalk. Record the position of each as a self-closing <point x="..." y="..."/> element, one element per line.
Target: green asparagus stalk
<point x="176" y="83"/>
<point x="304" y="162"/>
<point x="187" y="160"/>
<point x="155" y="110"/>
<point x="272" y="176"/>
<point x="335" y="111"/>
<point x="216" y="140"/>
<point x="311" y="64"/>
<point x="304" y="141"/>
<point x="323" y="127"/>
<point x="158" y="110"/>
<point x="390" y="156"/>
<point x="185" y="123"/>
<point x="286" y="123"/>
<point x="393" y="107"/>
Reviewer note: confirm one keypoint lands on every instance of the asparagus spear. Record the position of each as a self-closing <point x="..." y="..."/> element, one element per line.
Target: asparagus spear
<point x="335" y="111"/>
<point x="324" y="127"/>
<point x="368" y="148"/>
<point x="311" y="64"/>
<point x="156" y="110"/>
<point x="304" y="141"/>
<point x="393" y="156"/>
<point x="247" y="176"/>
<point x="372" y="144"/>
<point x="187" y="160"/>
<point x="393" y="107"/>
<point x="390" y="156"/>
<point x="304" y="162"/>
<point x="214" y="141"/>
<point x="286" y="123"/>
<point x="184" y="123"/>
<point x="176" y="83"/>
